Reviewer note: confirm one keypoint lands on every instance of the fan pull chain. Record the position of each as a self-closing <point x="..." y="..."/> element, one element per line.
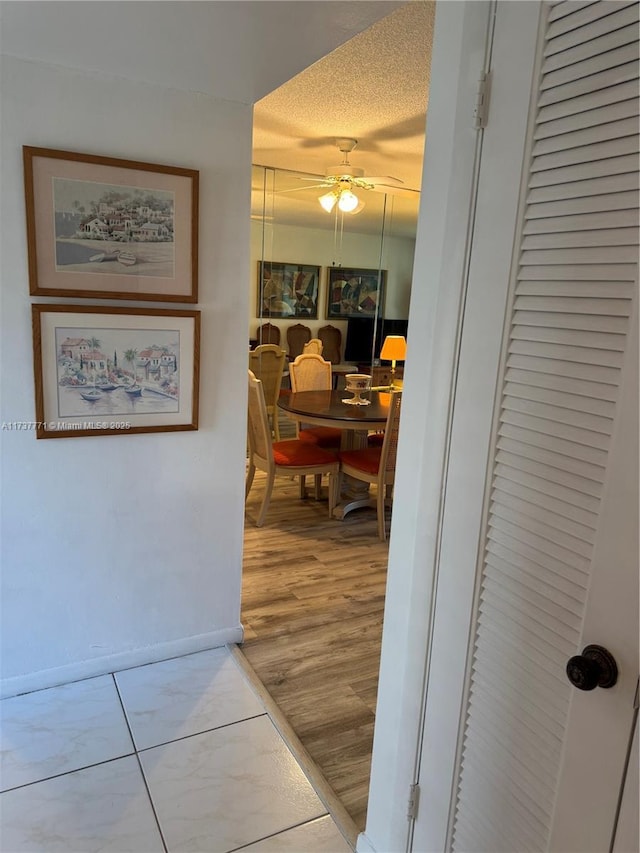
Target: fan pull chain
<point x="336" y="256"/>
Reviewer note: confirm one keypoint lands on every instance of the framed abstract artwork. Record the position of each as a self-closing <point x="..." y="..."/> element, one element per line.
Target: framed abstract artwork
<point x="115" y="229"/>
<point x="113" y="371"/>
<point x="287" y="290"/>
<point x="354" y="292"/>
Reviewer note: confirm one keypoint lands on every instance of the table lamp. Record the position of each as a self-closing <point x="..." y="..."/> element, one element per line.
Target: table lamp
<point x="393" y="349"/>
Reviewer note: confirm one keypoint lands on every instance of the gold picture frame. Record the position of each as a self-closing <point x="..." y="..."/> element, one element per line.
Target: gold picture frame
<point x="107" y="370"/>
<point x="110" y="228"/>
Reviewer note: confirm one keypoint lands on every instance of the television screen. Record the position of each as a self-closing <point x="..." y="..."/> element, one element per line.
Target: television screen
<point x="391" y="327"/>
<point x="359" y="345"/>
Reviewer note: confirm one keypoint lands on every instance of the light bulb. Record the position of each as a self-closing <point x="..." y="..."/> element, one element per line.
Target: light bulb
<point x="348" y="201"/>
<point x="328" y="201"/>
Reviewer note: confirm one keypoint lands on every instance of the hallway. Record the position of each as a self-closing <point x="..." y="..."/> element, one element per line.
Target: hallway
<point x="178" y="756"/>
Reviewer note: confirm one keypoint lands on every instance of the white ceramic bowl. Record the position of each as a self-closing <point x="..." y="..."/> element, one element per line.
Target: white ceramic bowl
<point x="357" y="381"/>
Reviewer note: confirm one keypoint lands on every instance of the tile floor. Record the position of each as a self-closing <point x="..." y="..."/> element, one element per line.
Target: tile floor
<point x="176" y="756"/>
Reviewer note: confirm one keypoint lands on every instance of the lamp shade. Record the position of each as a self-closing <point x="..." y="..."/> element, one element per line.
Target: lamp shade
<point x="394" y="348"/>
<point x="348" y="201"/>
<point x="328" y="201"/>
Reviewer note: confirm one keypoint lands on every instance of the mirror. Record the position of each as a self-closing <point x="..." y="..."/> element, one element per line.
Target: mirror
<point x="318" y="268"/>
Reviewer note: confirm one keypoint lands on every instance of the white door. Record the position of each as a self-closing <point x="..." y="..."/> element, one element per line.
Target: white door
<point x="539" y="538"/>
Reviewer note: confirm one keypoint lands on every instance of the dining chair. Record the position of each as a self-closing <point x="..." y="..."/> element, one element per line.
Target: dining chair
<point x="282" y="458"/>
<point x="267" y="363"/>
<point x="310" y="372"/>
<point x="297" y="336"/>
<point x="267" y="333"/>
<point x="375" y="439"/>
<point x="314" y="346"/>
<point x="331" y="338"/>
<point x="375" y="464"/>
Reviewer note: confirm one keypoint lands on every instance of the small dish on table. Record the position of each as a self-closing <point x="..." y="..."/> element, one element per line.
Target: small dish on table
<point x="357" y="384"/>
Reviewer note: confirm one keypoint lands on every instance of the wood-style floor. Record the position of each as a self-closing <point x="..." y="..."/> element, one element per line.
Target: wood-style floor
<point x="312" y="607"/>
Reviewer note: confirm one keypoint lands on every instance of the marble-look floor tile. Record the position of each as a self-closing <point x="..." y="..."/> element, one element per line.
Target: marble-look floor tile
<point x="103" y="809"/>
<point x="317" y="836"/>
<point x="229" y="787"/>
<point x="60" y="729"/>
<point x="180" y="697"/>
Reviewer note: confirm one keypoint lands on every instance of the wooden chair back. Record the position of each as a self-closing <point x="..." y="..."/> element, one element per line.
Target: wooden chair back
<point x="331" y="338"/>
<point x="310" y="373"/>
<point x="356" y="463"/>
<point x="268" y="334"/>
<point x="266" y="362"/>
<point x="297" y="336"/>
<point x="386" y="472"/>
<point x="259" y="432"/>
<point x="314" y="346"/>
<point x="313" y="460"/>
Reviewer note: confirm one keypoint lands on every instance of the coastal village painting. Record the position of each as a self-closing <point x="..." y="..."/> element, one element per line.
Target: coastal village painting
<point x="109" y="371"/>
<point x="110" y="228"/>
<point x="113" y="229"/>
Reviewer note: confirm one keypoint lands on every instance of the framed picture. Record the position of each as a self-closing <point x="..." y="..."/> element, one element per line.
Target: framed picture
<point x="287" y="290"/>
<point x="113" y="371"/>
<point x="115" y="229"/>
<point x="355" y="292"/>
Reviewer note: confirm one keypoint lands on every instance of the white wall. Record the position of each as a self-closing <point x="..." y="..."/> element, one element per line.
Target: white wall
<point x="239" y="51"/>
<point x="120" y="550"/>
<point x="115" y="544"/>
<point x="293" y="244"/>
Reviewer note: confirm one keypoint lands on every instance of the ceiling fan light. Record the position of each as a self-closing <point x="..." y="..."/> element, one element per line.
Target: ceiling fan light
<point x="348" y="201"/>
<point x="328" y="201"/>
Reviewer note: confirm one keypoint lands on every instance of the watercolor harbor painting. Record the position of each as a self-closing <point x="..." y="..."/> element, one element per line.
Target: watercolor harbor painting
<point x="117" y="371"/>
<point x="107" y="229"/>
<point x="117" y="229"/>
<point x="107" y="366"/>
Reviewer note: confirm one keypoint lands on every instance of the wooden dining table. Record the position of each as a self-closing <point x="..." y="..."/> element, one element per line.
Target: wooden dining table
<point x="327" y="408"/>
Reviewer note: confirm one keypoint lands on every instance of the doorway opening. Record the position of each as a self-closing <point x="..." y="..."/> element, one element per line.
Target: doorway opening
<point x="314" y="587"/>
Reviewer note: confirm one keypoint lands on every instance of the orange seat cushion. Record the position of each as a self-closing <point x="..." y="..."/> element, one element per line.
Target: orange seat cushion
<point x="322" y="436"/>
<point x="367" y="460"/>
<point x="300" y="453"/>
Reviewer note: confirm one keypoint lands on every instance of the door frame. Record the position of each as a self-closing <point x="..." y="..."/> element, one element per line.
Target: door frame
<point x="462" y="51"/>
<point x="501" y="195"/>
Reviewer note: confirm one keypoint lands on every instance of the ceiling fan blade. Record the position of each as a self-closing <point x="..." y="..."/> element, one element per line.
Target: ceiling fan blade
<point x="317" y="178"/>
<point x="399" y="191"/>
<point x="301" y="189"/>
<point x="385" y="179"/>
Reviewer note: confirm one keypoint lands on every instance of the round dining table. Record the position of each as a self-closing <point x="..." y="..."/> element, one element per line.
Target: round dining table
<point x="327" y="408"/>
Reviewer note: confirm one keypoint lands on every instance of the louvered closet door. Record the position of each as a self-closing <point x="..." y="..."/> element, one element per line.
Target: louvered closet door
<point x="557" y="500"/>
<point x="538" y="546"/>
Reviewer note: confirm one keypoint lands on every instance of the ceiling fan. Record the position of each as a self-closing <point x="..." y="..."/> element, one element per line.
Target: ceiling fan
<point x="343" y="178"/>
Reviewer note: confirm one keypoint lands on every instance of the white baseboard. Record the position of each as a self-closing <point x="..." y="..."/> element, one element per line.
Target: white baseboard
<point x="114" y="663"/>
<point x="363" y="845"/>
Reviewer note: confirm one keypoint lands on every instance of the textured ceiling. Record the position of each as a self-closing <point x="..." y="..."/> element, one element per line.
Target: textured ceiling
<point x="373" y="88"/>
